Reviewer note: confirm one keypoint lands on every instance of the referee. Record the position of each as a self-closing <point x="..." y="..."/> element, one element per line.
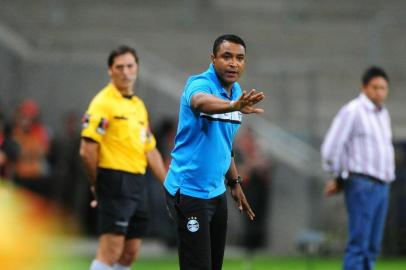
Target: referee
<point x="210" y="114"/>
<point x="116" y="148"/>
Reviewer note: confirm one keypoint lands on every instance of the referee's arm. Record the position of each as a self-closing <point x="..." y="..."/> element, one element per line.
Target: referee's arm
<point x="89" y="152"/>
<point x="156" y="165"/>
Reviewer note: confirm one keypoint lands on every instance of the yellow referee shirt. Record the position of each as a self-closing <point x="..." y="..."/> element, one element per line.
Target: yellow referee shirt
<point x="120" y="125"/>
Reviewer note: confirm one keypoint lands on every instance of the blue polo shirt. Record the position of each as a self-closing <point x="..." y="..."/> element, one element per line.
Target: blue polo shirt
<point x="203" y="144"/>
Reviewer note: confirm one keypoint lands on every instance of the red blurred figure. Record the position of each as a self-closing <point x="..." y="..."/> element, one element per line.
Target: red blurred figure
<point x="31" y="169"/>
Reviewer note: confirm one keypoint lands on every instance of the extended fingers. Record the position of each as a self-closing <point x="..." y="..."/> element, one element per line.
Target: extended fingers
<point x="251" y="109"/>
<point x="257" y="110"/>
<point x="250" y="214"/>
<point x="248" y="209"/>
<point x="239" y="204"/>
<point x="250" y="94"/>
<point x="255" y="98"/>
<point x="246" y="97"/>
<point x="252" y="97"/>
<point x="243" y="96"/>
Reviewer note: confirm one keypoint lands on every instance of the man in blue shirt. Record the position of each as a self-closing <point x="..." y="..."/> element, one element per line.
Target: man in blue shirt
<point x="211" y="109"/>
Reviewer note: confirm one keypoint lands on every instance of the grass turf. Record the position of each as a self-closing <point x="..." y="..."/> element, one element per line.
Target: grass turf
<point x="237" y="264"/>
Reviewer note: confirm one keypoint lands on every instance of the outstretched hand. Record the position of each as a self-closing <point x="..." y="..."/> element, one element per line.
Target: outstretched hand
<point x="242" y="203"/>
<point x="246" y="102"/>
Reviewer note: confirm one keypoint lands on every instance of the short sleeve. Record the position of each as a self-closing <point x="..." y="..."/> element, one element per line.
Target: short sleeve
<point x="197" y="86"/>
<point x="150" y="142"/>
<point x="147" y="138"/>
<point x="95" y="121"/>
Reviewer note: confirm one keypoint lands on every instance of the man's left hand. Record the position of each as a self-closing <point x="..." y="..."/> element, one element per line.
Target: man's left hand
<point x="242" y="203"/>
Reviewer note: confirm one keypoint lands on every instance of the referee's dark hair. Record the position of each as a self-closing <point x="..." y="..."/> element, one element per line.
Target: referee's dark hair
<point x="120" y="50"/>
<point x="227" y="37"/>
<point x="373" y="72"/>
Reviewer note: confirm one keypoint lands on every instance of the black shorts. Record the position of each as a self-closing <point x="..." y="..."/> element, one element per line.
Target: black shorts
<point x="122" y="203"/>
<point x="201" y="230"/>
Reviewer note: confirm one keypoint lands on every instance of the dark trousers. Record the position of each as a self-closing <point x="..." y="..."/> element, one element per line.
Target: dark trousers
<point x="367" y="203"/>
<point x="201" y="230"/>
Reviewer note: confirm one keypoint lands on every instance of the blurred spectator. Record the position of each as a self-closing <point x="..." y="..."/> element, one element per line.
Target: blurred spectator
<point x="31" y="169"/>
<point x="255" y="168"/>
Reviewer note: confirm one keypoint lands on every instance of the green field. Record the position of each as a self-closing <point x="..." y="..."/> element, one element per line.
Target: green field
<point x="239" y="264"/>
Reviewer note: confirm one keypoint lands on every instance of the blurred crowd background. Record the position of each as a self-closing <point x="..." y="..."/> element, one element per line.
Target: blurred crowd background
<point x="306" y="55"/>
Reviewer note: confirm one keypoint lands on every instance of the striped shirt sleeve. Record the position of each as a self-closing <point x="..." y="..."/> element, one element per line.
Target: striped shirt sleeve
<point x="336" y="137"/>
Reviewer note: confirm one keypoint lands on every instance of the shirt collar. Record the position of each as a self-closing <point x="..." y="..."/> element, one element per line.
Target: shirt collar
<point x="213" y="76"/>
<point x="366" y="102"/>
<point x="115" y="92"/>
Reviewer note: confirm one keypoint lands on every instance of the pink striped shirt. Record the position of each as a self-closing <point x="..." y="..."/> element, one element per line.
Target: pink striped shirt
<point x="360" y="141"/>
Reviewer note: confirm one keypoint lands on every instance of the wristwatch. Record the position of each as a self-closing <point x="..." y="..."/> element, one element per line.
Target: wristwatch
<point x="233" y="182"/>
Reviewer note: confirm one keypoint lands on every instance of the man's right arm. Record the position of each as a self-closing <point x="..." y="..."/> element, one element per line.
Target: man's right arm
<point x="89" y="152"/>
<point x="211" y="104"/>
<point x="332" y="147"/>
<point x="335" y="139"/>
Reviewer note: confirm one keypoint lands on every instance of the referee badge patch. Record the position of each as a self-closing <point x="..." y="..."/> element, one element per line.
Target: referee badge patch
<point x="143" y="135"/>
<point x="192" y="225"/>
<point x="102" y="126"/>
<point x="85" y="120"/>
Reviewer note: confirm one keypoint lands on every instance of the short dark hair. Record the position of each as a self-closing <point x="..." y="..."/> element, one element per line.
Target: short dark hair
<point x="373" y="72"/>
<point x="227" y="37"/>
<point x="120" y="50"/>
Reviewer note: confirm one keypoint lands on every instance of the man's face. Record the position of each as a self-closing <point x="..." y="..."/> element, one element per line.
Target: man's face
<point x="229" y="62"/>
<point x="123" y="71"/>
<point x="376" y="90"/>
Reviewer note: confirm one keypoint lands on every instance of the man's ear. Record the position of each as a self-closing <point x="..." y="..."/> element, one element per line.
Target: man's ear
<point x="109" y="72"/>
<point x="213" y="58"/>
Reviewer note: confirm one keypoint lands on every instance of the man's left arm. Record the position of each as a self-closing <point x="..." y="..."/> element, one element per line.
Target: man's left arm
<point x="237" y="192"/>
<point x="154" y="158"/>
<point x="156" y="164"/>
<point x="208" y="103"/>
<point x="333" y="145"/>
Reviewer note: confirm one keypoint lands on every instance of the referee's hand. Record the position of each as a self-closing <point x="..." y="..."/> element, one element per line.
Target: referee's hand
<point x="93" y="203"/>
<point x="242" y="203"/>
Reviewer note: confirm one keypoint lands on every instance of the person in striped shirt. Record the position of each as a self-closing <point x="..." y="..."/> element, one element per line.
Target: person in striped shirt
<point x="358" y="152"/>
